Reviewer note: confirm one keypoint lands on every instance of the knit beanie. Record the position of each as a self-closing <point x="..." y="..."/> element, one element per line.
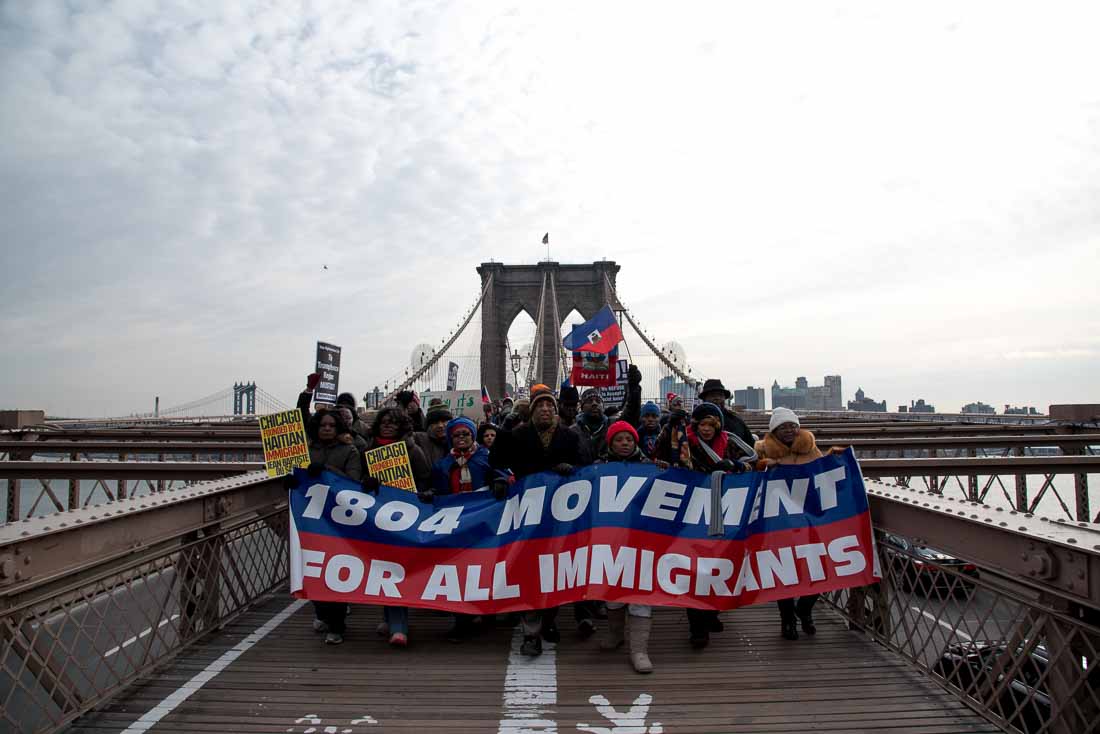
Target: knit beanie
<point x="346" y="398"/>
<point x="591" y="393"/>
<point x="569" y="394"/>
<point x="650" y="408"/>
<point x="619" y="427"/>
<point x="539" y="397"/>
<point x="460" y="421"/>
<point x="781" y="416"/>
<point x="703" y="410"/>
<point x="539" y="387"/>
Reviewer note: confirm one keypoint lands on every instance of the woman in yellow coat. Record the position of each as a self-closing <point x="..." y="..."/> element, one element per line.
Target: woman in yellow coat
<point x="786" y="443"/>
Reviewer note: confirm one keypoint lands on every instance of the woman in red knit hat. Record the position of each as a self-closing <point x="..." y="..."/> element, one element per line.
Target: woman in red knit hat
<point x="623" y="620"/>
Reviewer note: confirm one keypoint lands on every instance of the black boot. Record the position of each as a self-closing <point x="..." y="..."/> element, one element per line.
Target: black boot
<point x="531" y="647"/>
<point x="805" y="610"/>
<point x="699" y="624"/>
<point x="788" y="626"/>
<point x="789" y="630"/>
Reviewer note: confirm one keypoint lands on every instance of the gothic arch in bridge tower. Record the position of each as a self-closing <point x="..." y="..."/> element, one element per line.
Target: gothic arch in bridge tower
<point x="553" y="288"/>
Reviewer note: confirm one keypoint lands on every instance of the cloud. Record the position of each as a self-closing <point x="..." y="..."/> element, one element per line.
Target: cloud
<point x="789" y="192"/>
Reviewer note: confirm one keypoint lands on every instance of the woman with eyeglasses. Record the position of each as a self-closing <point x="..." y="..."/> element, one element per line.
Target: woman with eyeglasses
<point x="465" y="468"/>
<point x="391" y="425"/>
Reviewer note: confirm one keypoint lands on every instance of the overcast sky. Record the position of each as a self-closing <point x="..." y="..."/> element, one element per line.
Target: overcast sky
<point x="907" y="194"/>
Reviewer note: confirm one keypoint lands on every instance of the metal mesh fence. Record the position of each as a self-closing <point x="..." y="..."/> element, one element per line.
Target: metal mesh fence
<point x="74" y="646"/>
<point x="1028" y="661"/>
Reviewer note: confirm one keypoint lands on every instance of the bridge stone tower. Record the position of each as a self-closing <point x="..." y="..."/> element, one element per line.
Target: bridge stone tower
<point x="516" y="288"/>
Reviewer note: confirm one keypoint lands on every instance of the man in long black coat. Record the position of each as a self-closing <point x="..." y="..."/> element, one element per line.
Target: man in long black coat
<point x="541" y="444"/>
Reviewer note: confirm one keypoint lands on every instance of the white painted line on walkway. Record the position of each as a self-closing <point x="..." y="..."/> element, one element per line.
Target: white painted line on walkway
<point x="530" y="690"/>
<point x="181" y="694"/>
<point x="138" y="636"/>
<point x="943" y="624"/>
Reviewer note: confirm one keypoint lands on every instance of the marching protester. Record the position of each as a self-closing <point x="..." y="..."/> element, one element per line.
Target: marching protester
<point x="591" y="425"/>
<point x="521" y="412"/>
<point x="701" y="445"/>
<point x="624" y="621"/>
<point x="409" y="401"/>
<point x="464" y="469"/>
<point x="347" y="400"/>
<point x="675" y="403"/>
<point x="433" y="440"/>
<point x="487" y="434"/>
<point x="649" y="429"/>
<point x="715" y="392"/>
<point x="391" y="425"/>
<point x="787" y="443"/>
<point x="568" y="404"/>
<point x="358" y="440"/>
<point x="331" y="447"/>
<point x="542" y="444"/>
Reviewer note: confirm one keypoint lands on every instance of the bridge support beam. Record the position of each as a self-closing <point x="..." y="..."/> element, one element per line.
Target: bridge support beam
<point x="516" y="288"/>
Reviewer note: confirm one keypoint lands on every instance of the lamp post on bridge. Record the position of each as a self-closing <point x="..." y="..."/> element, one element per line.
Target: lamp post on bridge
<point x="516" y="359"/>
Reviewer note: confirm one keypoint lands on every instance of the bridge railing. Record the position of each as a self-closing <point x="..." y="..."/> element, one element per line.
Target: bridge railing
<point x="92" y="600"/>
<point x="999" y="607"/>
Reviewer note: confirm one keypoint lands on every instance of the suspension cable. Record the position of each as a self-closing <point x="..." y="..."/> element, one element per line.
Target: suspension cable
<point x="660" y="355"/>
<point x="435" y="357"/>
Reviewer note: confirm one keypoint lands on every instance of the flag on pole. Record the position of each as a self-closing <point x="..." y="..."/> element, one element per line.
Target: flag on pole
<point x="546" y="239"/>
<point x="600" y="334"/>
<point x="485" y="395"/>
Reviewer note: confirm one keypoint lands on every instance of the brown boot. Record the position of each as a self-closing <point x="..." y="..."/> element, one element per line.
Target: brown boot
<point x="639" y="643"/>
<point x="616" y="626"/>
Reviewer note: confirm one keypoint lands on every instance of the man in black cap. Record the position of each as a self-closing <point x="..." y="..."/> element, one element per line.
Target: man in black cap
<point x="568" y="404"/>
<point x="433" y="441"/>
<point x="715" y="392"/>
<point x="540" y="444"/>
<point x="591" y="425"/>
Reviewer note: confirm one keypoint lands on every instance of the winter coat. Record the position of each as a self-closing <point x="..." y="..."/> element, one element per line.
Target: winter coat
<point x="421" y="469"/>
<point x="342" y="458"/>
<point x="592" y="441"/>
<point x="732" y="423"/>
<point x="647" y="440"/>
<point x="521" y="451"/>
<point x="481" y="474"/>
<point x="636" y="458"/>
<point x="700" y="459"/>
<point x="772" y="451"/>
<point x="433" y="451"/>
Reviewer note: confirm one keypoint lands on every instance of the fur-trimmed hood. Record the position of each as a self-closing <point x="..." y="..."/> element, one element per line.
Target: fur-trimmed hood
<point x="772" y="451"/>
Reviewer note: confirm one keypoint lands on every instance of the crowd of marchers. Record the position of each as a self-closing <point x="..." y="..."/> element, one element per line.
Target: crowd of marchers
<point x="551" y="433"/>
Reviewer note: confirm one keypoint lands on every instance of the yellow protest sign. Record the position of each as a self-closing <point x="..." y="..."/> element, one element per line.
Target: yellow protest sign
<point x="390" y="465"/>
<point x="284" y="439"/>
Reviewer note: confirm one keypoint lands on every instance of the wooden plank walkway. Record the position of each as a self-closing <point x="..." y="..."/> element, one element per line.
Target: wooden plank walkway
<point x="748" y="680"/>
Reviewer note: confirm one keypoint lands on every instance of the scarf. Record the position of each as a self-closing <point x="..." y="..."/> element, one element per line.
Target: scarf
<point x="379" y="441"/>
<point x="715" y="450"/>
<point x="461" y="481"/>
<point x="547" y="435"/>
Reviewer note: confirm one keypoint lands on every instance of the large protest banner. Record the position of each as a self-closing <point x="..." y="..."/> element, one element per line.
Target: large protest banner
<point x="390" y="465"/>
<point x="618" y="532"/>
<point x="284" y="440"/>
<point x="459" y="402"/>
<point x="328" y="367"/>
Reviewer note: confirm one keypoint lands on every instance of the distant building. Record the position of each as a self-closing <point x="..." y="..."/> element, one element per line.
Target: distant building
<point x="751" y="397"/>
<point x="864" y="403"/>
<point x="1024" y="410"/>
<point x="373" y="399"/>
<point x="917" y="406"/>
<point x="669" y="384"/>
<point x="979" y="407"/>
<point x="804" y="397"/>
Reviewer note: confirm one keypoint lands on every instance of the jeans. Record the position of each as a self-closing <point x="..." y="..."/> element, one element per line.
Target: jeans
<point x="397" y="618"/>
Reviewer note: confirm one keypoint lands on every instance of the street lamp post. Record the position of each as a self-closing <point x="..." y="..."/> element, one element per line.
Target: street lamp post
<point x="516" y="360"/>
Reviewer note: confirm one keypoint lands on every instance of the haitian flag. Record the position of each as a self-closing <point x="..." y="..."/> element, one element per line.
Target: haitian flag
<point x="592" y="369"/>
<point x="617" y="532"/>
<point x="599" y="334"/>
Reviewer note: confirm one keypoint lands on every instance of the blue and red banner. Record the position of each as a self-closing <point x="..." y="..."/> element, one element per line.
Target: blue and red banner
<point x="617" y="532"/>
<point x="599" y="334"/>
<point x="591" y="369"/>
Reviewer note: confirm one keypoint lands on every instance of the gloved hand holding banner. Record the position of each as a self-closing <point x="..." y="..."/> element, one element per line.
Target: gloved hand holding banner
<point x="617" y="532"/>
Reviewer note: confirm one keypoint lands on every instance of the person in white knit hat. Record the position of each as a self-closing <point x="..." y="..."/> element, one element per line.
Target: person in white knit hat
<point x="787" y="443"/>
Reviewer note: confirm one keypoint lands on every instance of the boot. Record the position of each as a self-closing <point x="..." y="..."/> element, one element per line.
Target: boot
<point x="805" y="611"/>
<point x="616" y="625"/>
<point x="639" y="643"/>
<point x="788" y="626"/>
